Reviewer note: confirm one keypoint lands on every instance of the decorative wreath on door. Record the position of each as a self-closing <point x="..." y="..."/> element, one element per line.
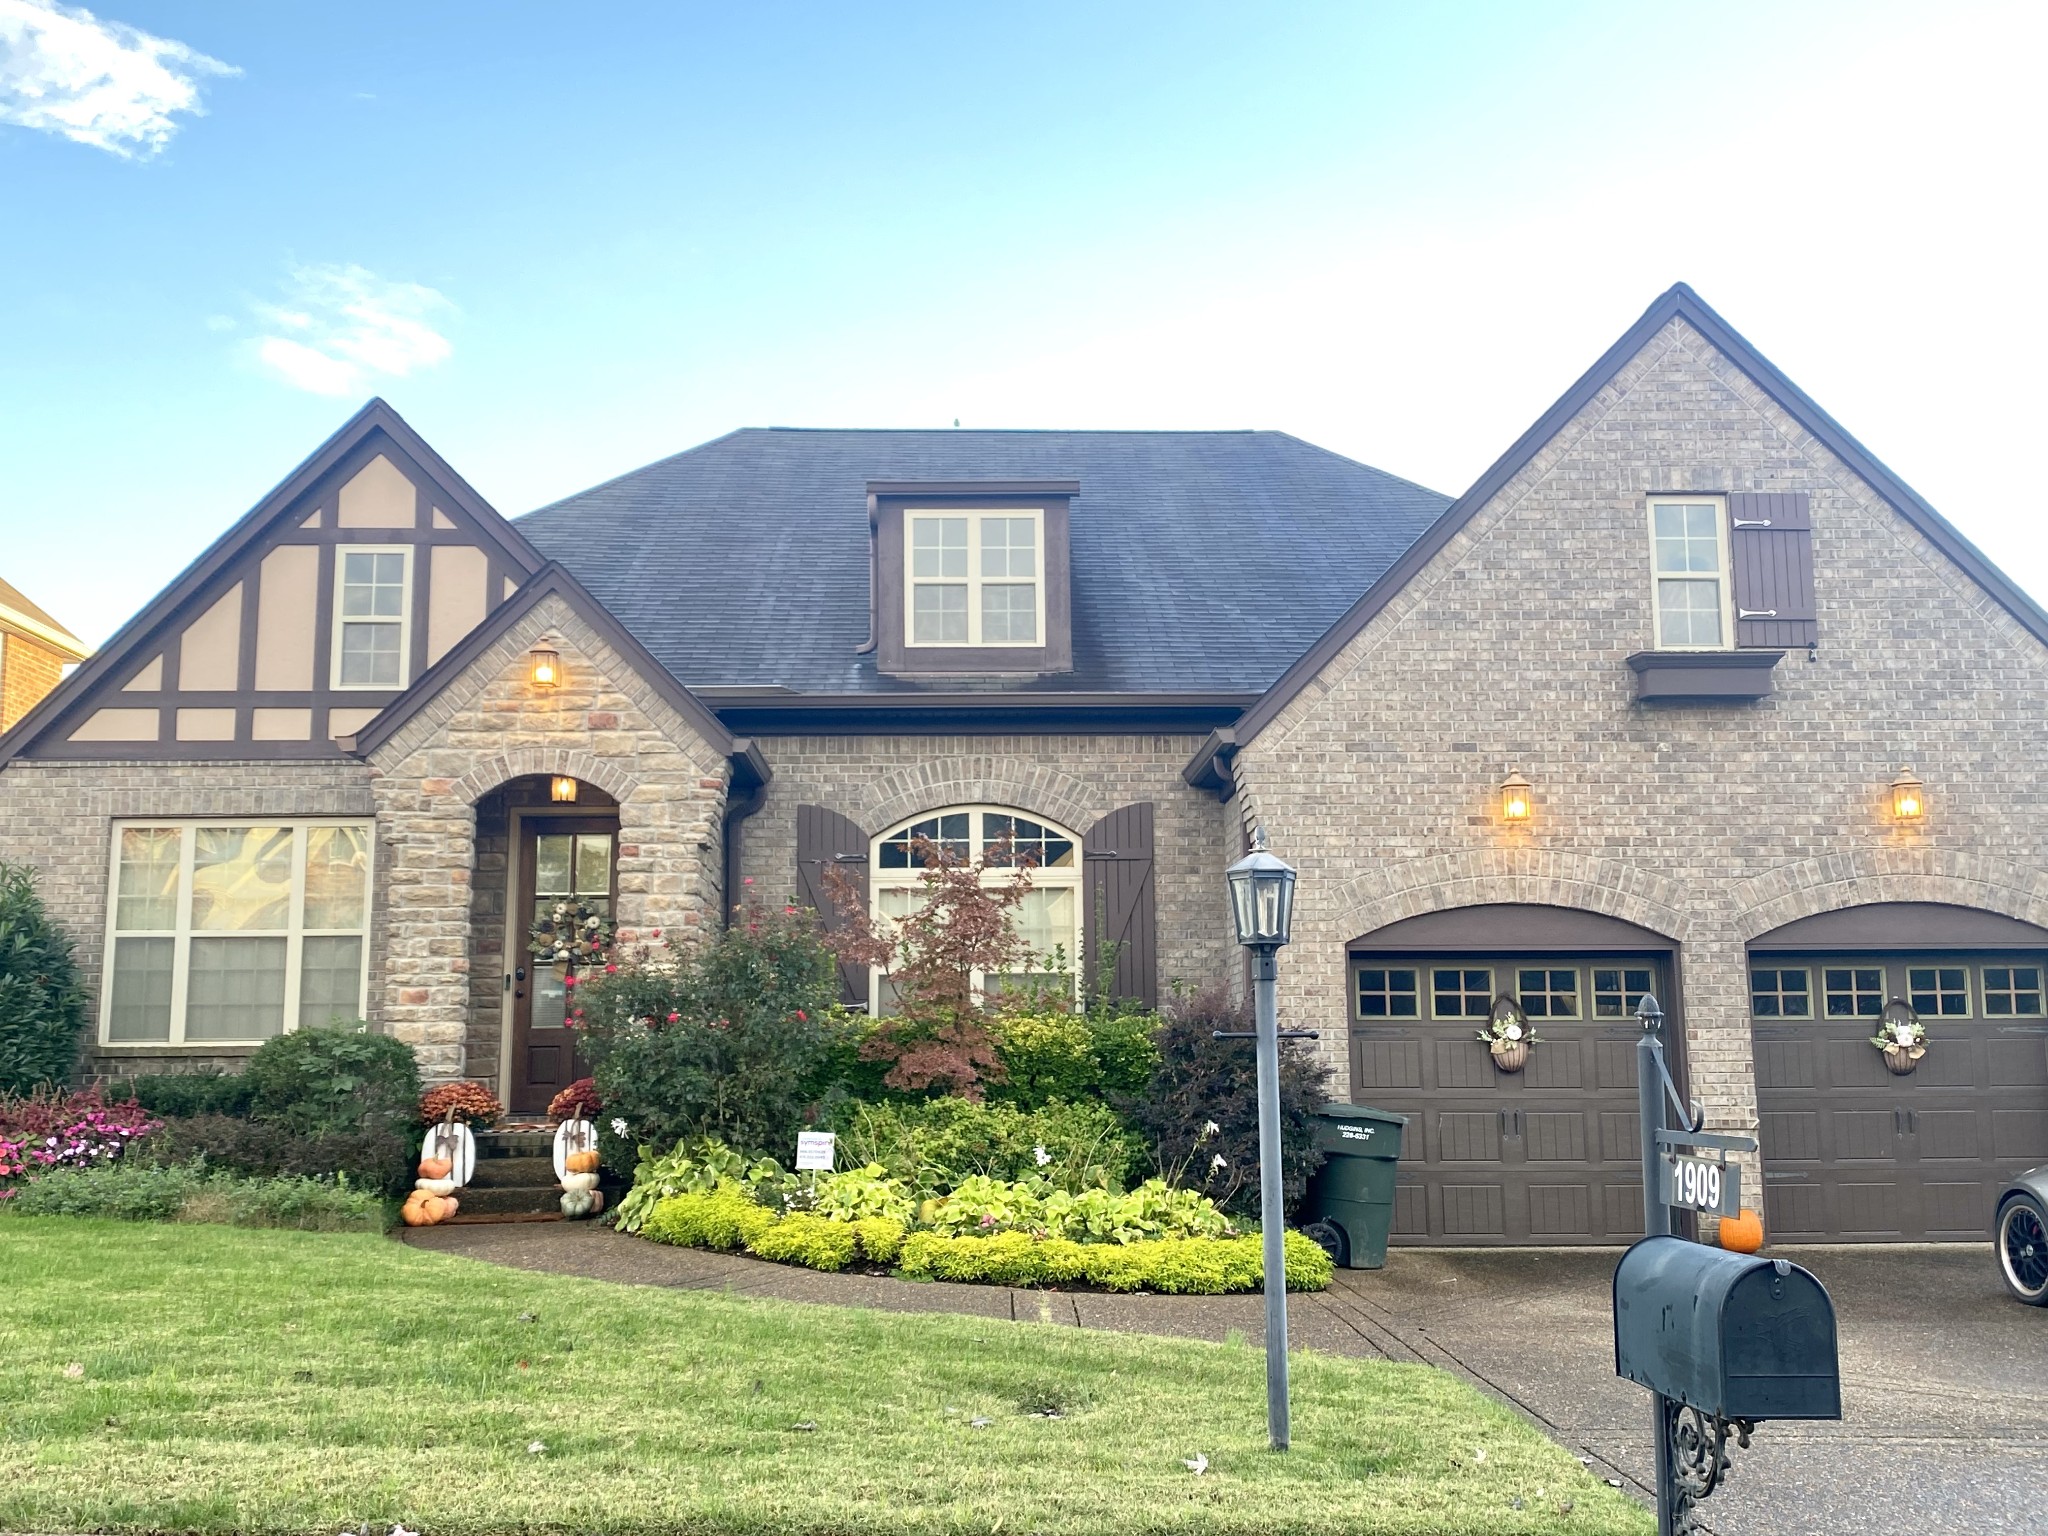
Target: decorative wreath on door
<point x="570" y="934"/>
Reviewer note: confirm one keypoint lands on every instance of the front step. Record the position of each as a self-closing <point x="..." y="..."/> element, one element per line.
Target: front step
<point x="514" y="1179"/>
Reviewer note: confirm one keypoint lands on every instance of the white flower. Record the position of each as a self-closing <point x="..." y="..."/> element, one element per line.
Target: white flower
<point x="1513" y="1031"/>
<point x="1197" y="1463"/>
<point x="619" y="1128"/>
<point x="1040" y="1156"/>
<point x="1210" y="1128"/>
<point x="1218" y="1161"/>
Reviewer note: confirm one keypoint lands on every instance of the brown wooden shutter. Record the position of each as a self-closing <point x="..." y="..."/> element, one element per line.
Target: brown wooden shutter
<point x="1122" y="908"/>
<point x="827" y="838"/>
<point x="1770" y="546"/>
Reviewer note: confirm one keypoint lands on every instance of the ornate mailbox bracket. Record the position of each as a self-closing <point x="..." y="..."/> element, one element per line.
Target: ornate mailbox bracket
<point x="1699" y="1459"/>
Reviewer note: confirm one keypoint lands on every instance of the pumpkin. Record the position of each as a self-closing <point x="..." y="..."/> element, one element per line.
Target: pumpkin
<point x="579" y="1183"/>
<point x="436" y="1186"/>
<point x="436" y="1167"/>
<point x="581" y="1162"/>
<point x="577" y="1202"/>
<point x="414" y="1212"/>
<point x="596" y="1201"/>
<point x="1742" y="1234"/>
<point x="449" y="1206"/>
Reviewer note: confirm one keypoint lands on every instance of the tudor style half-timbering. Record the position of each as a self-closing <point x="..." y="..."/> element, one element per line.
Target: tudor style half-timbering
<point x="1687" y="695"/>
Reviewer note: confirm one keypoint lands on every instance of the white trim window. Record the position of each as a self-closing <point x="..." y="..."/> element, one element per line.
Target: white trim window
<point x="1048" y="919"/>
<point x="974" y="578"/>
<point x="1690" y="581"/>
<point x="233" y="932"/>
<point x="372" y="616"/>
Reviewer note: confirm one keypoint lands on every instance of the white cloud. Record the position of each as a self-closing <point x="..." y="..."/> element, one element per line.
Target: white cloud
<point x="344" y="326"/>
<point x="103" y="83"/>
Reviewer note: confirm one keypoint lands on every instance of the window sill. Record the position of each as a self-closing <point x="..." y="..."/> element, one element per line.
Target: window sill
<point x="1703" y="676"/>
<point x="183" y="1048"/>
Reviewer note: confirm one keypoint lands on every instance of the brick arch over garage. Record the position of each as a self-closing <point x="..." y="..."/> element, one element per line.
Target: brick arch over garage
<point x="948" y="781"/>
<point x="492" y="772"/>
<point x="1414" y="887"/>
<point x="1862" y="878"/>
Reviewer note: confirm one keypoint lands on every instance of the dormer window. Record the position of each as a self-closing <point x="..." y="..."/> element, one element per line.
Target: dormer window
<point x="976" y="578"/>
<point x="970" y="577"/>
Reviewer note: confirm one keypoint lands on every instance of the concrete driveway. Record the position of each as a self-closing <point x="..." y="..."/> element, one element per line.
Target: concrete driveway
<point x="1944" y="1381"/>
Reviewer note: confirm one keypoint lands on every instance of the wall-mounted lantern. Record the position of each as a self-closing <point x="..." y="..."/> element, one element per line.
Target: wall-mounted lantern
<point x="1909" y="797"/>
<point x="1514" y="797"/>
<point x="562" y="789"/>
<point x="544" y="666"/>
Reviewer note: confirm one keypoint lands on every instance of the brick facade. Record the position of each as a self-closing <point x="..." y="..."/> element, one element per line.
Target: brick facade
<point x="1709" y="823"/>
<point x="878" y="782"/>
<point x="29" y="669"/>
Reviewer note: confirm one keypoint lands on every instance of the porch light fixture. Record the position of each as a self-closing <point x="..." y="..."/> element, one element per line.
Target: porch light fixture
<point x="1261" y="896"/>
<point x="1909" y="797"/>
<point x="562" y="789"/>
<point x="544" y="666"/>
<point x="1514" y="797"/>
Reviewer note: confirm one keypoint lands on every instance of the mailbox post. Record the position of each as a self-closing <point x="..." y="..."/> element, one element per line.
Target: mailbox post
<point x="1723" y="1341"/>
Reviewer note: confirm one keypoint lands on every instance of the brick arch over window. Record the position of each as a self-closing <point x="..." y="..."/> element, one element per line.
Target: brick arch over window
<point x="1047" y="792"/>
<point x="1503" y="877"/>
<point x="1858" y="879"/>
<point x="492" y="772"/>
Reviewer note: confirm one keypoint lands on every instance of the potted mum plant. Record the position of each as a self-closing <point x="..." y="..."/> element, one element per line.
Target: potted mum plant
<point x="1508" y="1035"/>
<point x="1901" y="1037"/>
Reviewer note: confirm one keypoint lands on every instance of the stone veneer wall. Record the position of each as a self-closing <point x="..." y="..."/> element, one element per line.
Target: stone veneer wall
<point x="881" y="781"/>
<point x="605" y="725"/>
<point x="1710" y="824"/>
<point x="58" y="819"/>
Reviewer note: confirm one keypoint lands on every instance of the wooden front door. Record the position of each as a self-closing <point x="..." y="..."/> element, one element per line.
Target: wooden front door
<point x="561" y="858"/>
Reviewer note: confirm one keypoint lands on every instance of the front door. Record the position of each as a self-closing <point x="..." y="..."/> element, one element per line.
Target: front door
<point x="561" y="859"/>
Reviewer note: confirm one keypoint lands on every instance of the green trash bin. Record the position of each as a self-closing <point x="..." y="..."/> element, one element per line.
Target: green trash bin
<point x="1350" y="1205"/>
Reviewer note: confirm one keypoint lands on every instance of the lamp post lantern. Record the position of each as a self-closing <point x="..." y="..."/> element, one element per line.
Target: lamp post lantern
<point x="1262" y="905"/>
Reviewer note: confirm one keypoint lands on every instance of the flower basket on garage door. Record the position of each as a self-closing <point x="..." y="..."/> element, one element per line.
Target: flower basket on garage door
<point x="1508" y="1035"/>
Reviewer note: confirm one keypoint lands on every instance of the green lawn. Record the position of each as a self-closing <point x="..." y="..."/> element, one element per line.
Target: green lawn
<point x="258" y="1381"/>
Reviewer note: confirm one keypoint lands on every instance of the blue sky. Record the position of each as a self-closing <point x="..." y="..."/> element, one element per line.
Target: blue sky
<point x="564" y="241"/>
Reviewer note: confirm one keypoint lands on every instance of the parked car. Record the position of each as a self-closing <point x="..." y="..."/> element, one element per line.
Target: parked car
<point x="2022" y="1236"/>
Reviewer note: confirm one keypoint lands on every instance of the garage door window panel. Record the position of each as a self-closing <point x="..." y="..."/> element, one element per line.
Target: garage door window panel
<point x="2012" y="991"/>
<point x="1939" y="991"/>
<point x="1853" y="992"/>
<point x="1460" y="993"/>
<point x="1389" y="993"/>
<point x="1619" y="991"/>
<point x="1779" y="993"/>
<point x="1548" y="992"/>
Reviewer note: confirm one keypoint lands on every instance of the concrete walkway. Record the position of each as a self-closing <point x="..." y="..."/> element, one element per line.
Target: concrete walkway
<point x="1945" y="1380"/>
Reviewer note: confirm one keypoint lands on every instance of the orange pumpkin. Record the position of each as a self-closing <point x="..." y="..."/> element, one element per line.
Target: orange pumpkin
<point x="1742" y="1234"/>
<point x="436" y="1167"/>
<point x="414" y="1212"/>
<point x="581" y="1162"/>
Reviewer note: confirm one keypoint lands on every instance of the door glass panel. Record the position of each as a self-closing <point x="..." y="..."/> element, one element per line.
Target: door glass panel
<point x="594" y="866"/>
<point x="551" y="855"/>
<point x="241" y="880"/>
<point x="550" y="998"/>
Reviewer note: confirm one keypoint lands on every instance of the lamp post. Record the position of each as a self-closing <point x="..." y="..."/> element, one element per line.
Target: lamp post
<point x="1262" y="904"/>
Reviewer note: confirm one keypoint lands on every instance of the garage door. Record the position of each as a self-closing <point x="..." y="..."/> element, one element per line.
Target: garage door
<point x="1549" y="1154"/>
<point x="1854" y="1154"/>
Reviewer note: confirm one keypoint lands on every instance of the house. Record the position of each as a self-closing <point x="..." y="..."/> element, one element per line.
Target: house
<point x="34" y="651"/>
<point x="1687" y="695"/>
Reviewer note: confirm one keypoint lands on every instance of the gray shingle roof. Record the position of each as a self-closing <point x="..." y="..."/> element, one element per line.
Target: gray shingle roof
<point x="1202" y="561"/>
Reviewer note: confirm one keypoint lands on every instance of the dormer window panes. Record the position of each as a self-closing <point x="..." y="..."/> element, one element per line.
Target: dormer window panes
<point x="1690" y="578"/>
<point x="372" y="618"/>
<point x="976" y="578"/>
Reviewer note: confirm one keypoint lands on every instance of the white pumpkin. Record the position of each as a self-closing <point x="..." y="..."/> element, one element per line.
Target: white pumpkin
<point x="579" y="1183"/>
<point x="436" y="1186"/>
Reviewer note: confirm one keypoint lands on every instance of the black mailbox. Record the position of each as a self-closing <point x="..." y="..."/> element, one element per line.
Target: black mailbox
<point x="1730" y="1334"/>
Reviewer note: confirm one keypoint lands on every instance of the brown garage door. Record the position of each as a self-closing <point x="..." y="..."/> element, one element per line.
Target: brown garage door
<point x="1546" y="1155"/>
<point x="1854" y="1154"/>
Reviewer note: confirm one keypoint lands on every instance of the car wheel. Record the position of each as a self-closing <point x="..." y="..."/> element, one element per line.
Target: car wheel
<point x="1329" y="1237"/>
<point x="2023" y="1249"/>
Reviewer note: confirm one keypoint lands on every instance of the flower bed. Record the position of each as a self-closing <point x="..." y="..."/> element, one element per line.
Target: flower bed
<point x="44" y="1132"/>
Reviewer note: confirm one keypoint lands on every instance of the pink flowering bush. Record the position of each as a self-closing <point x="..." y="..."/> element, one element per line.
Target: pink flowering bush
<point x="48" y="1129"/>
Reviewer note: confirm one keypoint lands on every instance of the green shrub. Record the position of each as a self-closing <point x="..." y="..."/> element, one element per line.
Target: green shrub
<point x="724" y="1219"/>
<point x="381" y="1158"/>
<point x="42" y="1005"/>
<point x="731" y="1040"/>
<point x="693" y="1168"/>
<point x="857" y="1194"/>
<point x="935" y="1144"/>
<point x="1202" y="1107"/>
<point x="1106" y="1057"/>
<point x="816" y="1242"/>
<point x="880" y="1237"/>
<point x="184" y="1094"/>
<point x="1189" y="1266"/>
<point x="1154" y="1209"/>
<point x="333" y="1078"/>
<point x="134" y="1192"/>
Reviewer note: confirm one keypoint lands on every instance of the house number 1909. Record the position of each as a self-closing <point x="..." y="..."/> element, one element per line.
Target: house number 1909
<point x="1698" y="1184"/>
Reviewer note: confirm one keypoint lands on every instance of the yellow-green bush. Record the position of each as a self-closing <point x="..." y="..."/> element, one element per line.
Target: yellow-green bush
<point x="725" y="1219"/>
<point x="816" y="1242"/>
<point x="881" y="1237"/>
<point x="1189" y="1266"/>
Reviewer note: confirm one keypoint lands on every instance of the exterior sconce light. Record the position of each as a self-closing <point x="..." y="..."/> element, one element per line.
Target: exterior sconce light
<point x="1514" y="797"/>
<point x="562" y="789"/>
<point x="544" y="666"/>
<point x="1909" y="797"/>
<point x="1261" y="897"/>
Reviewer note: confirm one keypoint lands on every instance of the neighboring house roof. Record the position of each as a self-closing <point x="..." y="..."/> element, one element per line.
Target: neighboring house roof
<point x="1203" y="562"/>
<point x="18" y="613"/>
<point x="1681" y="303"/>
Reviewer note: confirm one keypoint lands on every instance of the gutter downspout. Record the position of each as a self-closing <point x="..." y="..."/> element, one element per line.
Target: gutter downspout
<point x="740" y="803"/>
<point x="867" y="646"/>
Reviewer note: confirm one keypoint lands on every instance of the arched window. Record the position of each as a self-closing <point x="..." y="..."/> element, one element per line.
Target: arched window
<point x="1049" y="918"/>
